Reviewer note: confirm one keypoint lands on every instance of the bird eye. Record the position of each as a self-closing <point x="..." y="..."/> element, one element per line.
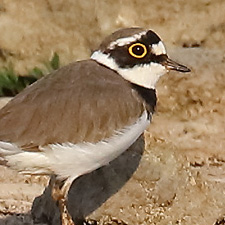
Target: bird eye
<point x="138" y="50"/>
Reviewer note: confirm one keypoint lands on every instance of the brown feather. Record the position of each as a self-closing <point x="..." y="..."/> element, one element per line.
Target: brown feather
<point x="82" y="102"/>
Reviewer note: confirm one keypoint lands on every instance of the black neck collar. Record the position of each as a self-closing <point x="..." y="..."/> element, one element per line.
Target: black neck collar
<point x="149" y="96"/>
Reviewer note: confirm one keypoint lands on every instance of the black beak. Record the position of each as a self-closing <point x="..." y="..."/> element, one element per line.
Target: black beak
<point x="172" y="65"/>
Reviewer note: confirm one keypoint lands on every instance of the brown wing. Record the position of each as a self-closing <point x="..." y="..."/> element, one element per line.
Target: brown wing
<point x="82" y="102"/>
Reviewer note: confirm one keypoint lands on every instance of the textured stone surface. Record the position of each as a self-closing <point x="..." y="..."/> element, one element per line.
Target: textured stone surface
<point x="180" y="179"/>
<point x="32" y="30"/>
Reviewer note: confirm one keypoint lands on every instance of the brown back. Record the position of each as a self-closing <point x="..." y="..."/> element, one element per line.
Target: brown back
<point x="82" y="102"/>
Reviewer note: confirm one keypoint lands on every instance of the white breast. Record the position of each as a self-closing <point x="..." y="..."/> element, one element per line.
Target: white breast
<point x="73" y="160"/>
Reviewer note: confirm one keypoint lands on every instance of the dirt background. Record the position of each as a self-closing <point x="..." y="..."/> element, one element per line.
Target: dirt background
<point x="181" y="176"/>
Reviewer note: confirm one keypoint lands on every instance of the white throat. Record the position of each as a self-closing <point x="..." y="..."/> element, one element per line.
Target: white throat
<point x="145" y="75"/>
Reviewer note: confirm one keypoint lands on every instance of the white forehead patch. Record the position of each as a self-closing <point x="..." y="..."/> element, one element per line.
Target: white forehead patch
<point x="159" y="48"/>
<point x="126" y="40"/>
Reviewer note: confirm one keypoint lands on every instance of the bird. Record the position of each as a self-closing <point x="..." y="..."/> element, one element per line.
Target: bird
<point x="85" y="114"/>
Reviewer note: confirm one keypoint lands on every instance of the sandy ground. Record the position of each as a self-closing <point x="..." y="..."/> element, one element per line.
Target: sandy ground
<point x="180" y="179"/>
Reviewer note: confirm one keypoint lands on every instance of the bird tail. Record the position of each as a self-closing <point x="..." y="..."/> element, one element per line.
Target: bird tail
<point x="24" y="161"/>
<point x="7" y="149"/>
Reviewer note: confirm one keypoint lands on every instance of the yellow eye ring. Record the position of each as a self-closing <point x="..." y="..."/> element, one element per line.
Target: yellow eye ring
<point x="138" y="50"/>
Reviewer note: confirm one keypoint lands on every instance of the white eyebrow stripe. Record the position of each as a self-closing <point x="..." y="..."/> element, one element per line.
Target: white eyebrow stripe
<point x="158" y="49"/>
<point x="126" y="40"/>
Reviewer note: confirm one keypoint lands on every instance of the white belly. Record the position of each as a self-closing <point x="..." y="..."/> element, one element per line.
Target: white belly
<point x="73" y="160"/>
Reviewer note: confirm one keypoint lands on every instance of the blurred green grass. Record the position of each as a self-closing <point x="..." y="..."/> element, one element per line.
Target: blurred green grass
<point x="12" y="83"/>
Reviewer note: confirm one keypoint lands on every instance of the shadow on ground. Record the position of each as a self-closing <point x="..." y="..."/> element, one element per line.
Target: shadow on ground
<point x="90" y="191"/>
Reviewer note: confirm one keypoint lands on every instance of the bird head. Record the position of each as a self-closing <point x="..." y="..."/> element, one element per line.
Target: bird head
<point x="138" y="55"/>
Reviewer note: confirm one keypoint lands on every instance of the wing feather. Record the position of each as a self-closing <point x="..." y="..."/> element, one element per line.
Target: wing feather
<point x="82" y="102"/>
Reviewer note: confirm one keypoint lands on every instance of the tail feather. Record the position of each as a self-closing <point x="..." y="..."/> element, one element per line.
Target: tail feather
<point x="25" y="162"/>
<point x="7" y="149"/>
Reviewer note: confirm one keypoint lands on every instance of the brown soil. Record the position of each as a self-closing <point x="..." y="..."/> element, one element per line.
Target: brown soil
<point x="181" y="176"/>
